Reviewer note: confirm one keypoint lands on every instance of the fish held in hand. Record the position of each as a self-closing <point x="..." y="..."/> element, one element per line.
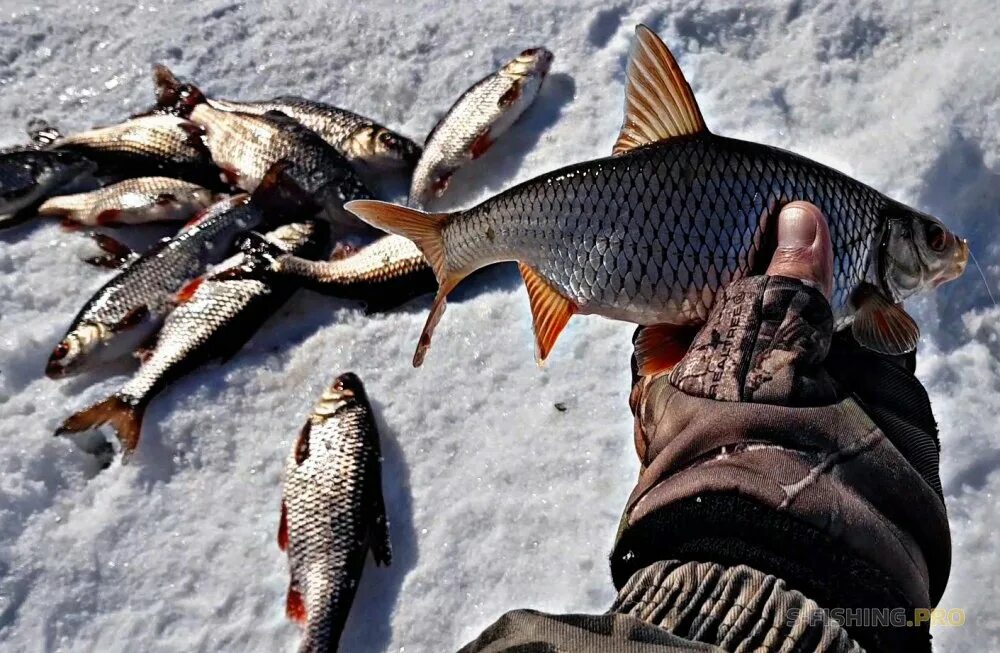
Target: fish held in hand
<point x="245" y="146"/>
<point x="476" y="120"/>
<point x="358" y="139"/>
<point x="332" y="512"/>
<point x="29" y="176"/>
<point x="134" y="201"/>
<point x="651" y="234"/>
<point x="214" y="316"/>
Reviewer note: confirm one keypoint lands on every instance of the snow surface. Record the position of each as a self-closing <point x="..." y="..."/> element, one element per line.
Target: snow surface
<point x="497" y="500"/>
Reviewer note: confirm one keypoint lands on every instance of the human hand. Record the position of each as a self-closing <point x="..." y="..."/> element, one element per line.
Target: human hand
<point x="774" y="443"/>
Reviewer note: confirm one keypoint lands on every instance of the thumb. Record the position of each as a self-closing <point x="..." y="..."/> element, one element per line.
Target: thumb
<point x="804" y="249"/>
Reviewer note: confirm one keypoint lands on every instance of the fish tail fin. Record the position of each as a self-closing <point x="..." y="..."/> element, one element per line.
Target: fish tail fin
<point x="122" y="413"/>
<point x="175" y="96"/>
<point x="425" y="230"/>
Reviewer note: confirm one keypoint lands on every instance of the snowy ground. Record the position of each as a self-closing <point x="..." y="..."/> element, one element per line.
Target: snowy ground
<point x="497" y="500"/>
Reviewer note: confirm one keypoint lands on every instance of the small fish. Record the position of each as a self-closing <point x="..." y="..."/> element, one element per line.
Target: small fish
<point x="142" y="291"/>
<point x="215" y="315"/>
<point x="383" y="274"/>
<point x="358" y="139"/>
<point x="133" y="201"/>
<point x="475" y="121"/>
<point x="29" y="176"/>
<point x="151" y="145"/>
<point x="332" y="512"/>
<point x="245" y="146"/>
<point x="651" y="234"/>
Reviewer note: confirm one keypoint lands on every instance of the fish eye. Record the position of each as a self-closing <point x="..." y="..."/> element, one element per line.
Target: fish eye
<point x="385" y="138"/>
<point x="60" y="352"/>
<point x="937" y="237"/>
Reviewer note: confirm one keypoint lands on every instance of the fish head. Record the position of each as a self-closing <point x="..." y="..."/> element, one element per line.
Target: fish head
<point x="346" y="392"/>
<point x="28" y="176"/>
<point x="383" y="148"/>
<point x="73" y="349"/>
<point x="533" y="62"/>
<point x="918" y="253"/>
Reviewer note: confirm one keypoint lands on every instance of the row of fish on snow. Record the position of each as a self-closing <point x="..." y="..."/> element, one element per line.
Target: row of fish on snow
<point x="261" y="186"/>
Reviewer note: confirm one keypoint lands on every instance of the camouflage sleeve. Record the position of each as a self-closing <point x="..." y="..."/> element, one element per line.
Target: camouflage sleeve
<point x="776" y="445"/>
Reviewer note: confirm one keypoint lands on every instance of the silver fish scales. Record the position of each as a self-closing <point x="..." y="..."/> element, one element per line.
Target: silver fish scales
<point x="651" y="234"/>
<point x="216" y="314"/>
<point x="661" y="230"/>
<point x="332" y="512"/>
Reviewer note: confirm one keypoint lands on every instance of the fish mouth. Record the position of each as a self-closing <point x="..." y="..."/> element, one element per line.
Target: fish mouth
<point x="956" y="267"/>
<point x="55" y="369"/>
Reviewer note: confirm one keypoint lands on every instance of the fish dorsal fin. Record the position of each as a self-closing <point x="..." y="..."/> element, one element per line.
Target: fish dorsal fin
<point x="550" y="311"/>
<point x="659" y="103"/>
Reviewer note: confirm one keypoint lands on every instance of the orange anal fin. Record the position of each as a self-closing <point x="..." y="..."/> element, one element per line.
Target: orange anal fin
<point x="550" y="311"/>
<point x="68" y="224"/>
<point x="659" y="347"/>
<point x="482" y="143"/>
<point x="295" y="607"/>
<point x="283" y="527"/>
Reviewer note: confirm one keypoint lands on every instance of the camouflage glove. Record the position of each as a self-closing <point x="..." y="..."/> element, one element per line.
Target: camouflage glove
<point x="777" y="445"/>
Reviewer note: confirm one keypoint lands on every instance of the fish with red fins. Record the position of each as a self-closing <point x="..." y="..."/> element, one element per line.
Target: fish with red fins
<point x="652" y="233"/>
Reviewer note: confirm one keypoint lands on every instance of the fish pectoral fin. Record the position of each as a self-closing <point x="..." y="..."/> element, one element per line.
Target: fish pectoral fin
<point x="882" y="326"/>
<point x="113" y="246"/>
<point x="295" y="607"/>
<point x="378" y="524"/>
<point x="283" y="527"/>
<point x="165" y="199"/>
<point x="550" y="311"/>
<point x="116" y="254"/>
<point x="131" y="319"/>
<point x="659" y="347"/>
<point x="511" y="95"/>
<point x="188" y="290"/>
<point x="108" y="217"/>
<point x="659" y="103"/>
<point x="479" y="146"/>
<point x="279" y="194"/>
